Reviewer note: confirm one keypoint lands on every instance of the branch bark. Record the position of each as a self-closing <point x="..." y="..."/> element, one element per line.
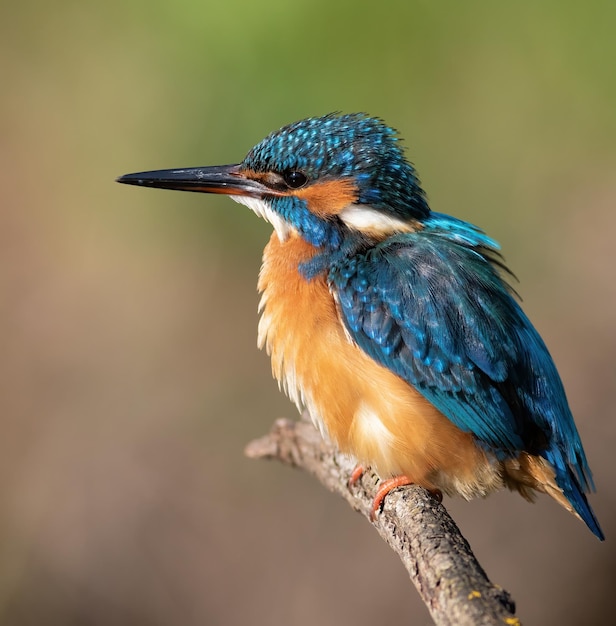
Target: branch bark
<point x="438" y="559"/>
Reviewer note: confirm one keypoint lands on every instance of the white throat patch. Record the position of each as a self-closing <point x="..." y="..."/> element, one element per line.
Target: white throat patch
<point x="365" y="219"/>
<point x="263" y="209"/>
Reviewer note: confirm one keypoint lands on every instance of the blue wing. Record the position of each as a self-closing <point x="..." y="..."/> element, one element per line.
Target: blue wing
<point x="432" y="307"/>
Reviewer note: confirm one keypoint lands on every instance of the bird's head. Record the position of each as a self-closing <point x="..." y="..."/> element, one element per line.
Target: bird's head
<point x="322" y="177"/>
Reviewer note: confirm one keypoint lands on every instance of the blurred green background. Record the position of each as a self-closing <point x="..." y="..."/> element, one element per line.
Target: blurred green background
<point x="130" y="381"/>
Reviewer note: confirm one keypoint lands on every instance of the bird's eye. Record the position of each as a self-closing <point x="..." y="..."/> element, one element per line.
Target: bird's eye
<point x="295" y="179"/>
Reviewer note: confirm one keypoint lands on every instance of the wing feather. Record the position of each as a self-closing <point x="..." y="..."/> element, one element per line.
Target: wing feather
<point x="432" y="307"/>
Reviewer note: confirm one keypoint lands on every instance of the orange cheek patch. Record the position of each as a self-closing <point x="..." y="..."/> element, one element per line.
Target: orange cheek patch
<point x="329" y="197"/>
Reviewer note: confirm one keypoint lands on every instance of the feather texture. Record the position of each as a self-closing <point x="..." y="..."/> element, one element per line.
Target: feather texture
<point x="392" y="323"/>
<point x="432" y="307"/>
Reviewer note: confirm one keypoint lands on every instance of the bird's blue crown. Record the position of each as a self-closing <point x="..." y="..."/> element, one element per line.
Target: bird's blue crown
<point x="346" y="146"/>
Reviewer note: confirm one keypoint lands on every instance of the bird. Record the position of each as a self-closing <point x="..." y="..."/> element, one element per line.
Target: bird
<point x="395" y="326"/>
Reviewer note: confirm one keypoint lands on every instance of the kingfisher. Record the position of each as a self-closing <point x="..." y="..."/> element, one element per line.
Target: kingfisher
<point x="393" y="325"/>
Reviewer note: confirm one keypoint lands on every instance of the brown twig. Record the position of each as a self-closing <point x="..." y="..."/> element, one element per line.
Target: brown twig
<point x="438" y="559"/>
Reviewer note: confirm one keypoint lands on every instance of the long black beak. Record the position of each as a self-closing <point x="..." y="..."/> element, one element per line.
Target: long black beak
<point x="225" y="179"/>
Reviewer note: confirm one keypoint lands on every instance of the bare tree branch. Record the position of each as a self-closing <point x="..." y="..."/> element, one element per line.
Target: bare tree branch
<point x="438" y="559"/>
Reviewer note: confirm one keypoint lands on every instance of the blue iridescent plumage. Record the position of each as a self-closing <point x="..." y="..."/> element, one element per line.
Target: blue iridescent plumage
<point x="342" y="146"/>
<point x="432" y="307"/>
<point x="420" y="293"/>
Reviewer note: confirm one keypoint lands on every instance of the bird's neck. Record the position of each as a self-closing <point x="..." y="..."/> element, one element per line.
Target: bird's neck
<point x="313" y="261"/>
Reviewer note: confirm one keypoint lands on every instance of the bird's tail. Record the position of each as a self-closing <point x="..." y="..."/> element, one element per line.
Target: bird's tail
<point x="529" y="472"/>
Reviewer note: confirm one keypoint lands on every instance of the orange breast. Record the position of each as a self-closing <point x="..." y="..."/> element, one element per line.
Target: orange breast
<point x="365" y="408"/>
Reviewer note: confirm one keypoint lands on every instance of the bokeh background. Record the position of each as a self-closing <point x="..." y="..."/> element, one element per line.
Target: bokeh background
<point x="129" y="375"/>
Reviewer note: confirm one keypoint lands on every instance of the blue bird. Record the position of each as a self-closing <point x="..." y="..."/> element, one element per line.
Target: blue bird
<point x="394" y="325"/>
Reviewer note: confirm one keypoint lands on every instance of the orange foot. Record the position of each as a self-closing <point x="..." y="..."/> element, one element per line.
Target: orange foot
<point x="356" y="474"/>
<point x="389" y="485"/>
